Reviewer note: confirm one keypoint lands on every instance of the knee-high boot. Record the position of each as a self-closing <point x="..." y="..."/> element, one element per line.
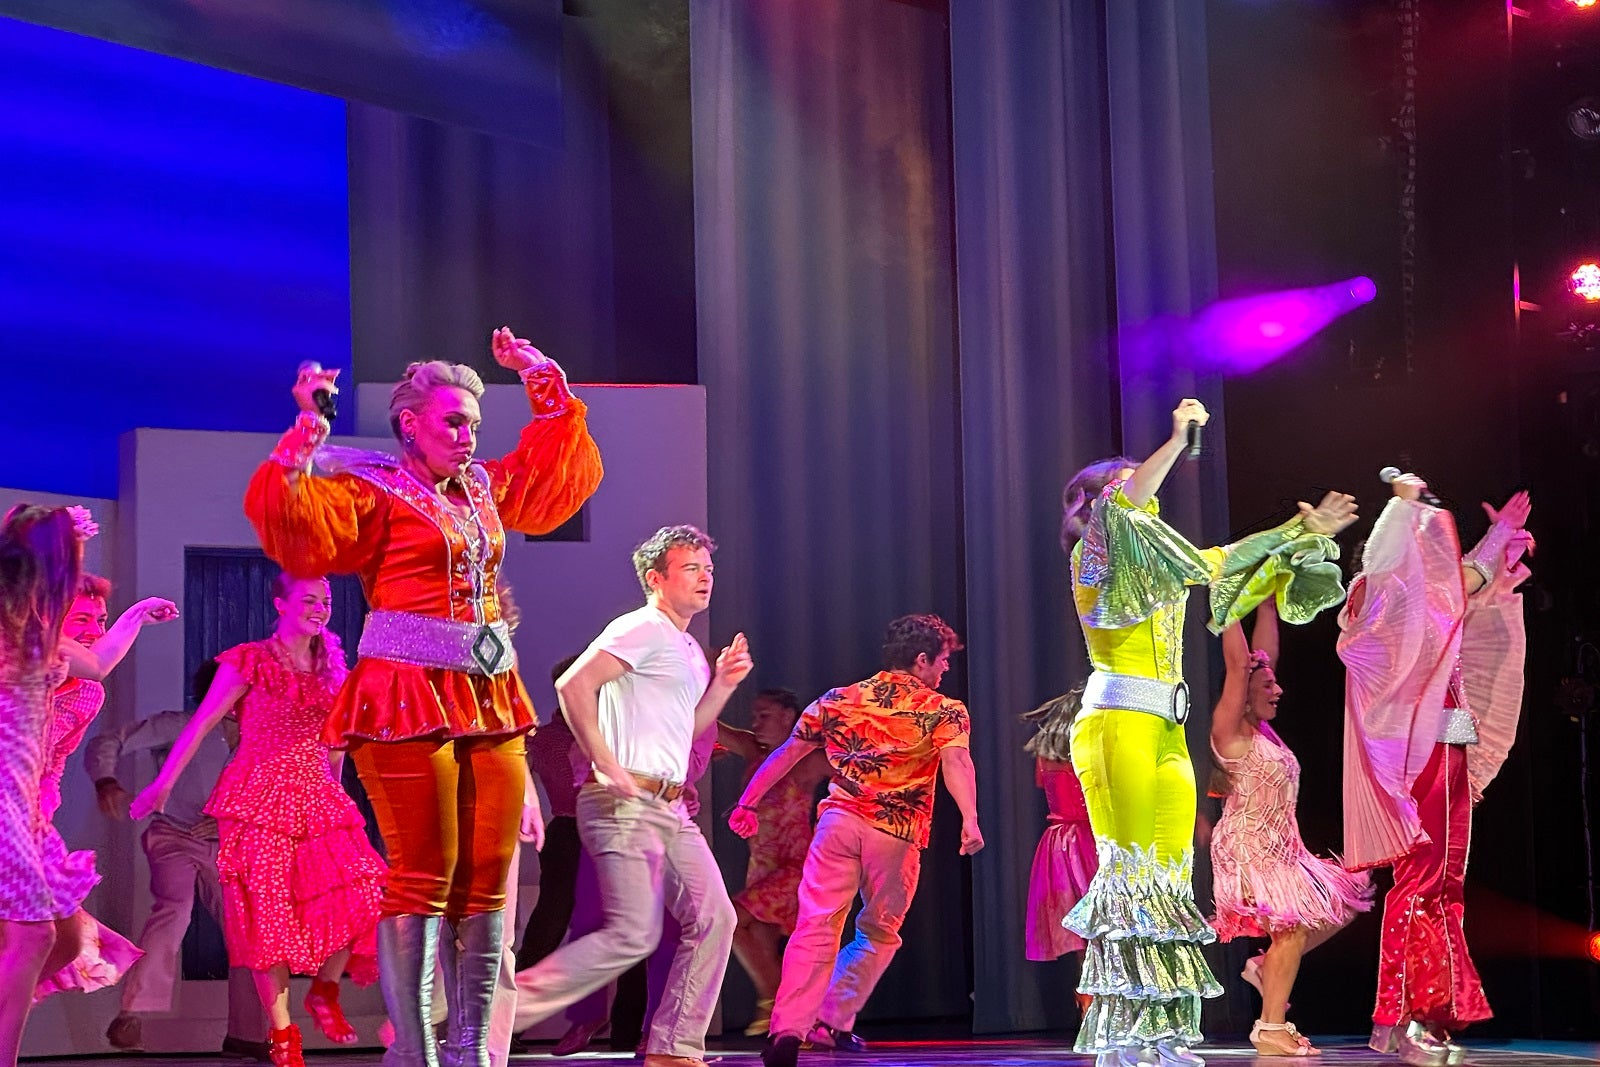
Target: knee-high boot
<point x="472" y="988"/>
<point x="406" y="953"/>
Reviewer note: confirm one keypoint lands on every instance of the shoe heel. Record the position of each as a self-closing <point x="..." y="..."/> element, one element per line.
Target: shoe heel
<point x="1384" y="1039"/>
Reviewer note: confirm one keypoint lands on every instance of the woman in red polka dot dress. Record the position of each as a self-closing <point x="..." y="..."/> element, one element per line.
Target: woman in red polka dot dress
<point x="301" y="885"/>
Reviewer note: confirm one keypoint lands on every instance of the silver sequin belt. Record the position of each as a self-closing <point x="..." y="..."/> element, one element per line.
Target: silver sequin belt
<point x="1457" y="727"/>
<point x="1130" y="692"/>
<point x="429" y="641"/>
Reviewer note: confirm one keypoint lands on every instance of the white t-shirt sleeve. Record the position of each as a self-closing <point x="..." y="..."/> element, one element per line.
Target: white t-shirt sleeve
<point x="632" y="639"/>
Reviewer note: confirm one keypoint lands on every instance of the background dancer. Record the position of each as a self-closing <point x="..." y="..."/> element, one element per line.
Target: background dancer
<point x="300" y="883"/>
<point x="433" y="712"/>
<point x="1130" y="573"/>
<point x="180" y="846"/>
<point x="887" y="739"/>
<point x="769" y="904"/>
<point x="1433" y="647"/>
<point x="42" y="887"/>
<point x="1265" y="882"/>
<point x="1064" y="862"/>
<point x="637" y="699"/>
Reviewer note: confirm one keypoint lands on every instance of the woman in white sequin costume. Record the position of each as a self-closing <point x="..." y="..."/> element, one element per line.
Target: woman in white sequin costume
<point x="42" y="887"/>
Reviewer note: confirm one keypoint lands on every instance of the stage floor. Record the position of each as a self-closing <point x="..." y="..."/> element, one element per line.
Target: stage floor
<point x="1019" y="1052"/>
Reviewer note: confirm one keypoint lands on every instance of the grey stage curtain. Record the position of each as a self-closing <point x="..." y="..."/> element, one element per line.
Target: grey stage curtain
<point x="1083" y="203"/>
<point x="826" y="345"/>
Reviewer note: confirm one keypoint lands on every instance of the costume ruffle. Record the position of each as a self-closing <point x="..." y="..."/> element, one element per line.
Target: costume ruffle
<point x="1256" y="900"/>
<point x="1063" y="868"/>
<point x="104" y="956"/>
<point x="1143" y="964"/>
<point x="1287" y="563"/>
<point x="385" y="700"/>
<point x="1135" y="560"/>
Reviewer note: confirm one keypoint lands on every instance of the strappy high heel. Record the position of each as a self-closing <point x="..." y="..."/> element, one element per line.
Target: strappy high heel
<point x="322" y="1002"/>
<point x="1303" y="1047"/>
<point x="283" y="1047"/>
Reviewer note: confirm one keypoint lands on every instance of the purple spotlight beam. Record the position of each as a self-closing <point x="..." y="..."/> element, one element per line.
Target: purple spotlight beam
<point x="1241" y="336"/>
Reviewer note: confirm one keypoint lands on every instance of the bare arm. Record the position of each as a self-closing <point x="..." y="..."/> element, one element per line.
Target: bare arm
<point x="743" y="821"/>
<point x="1264" y="633"/>
<point x="741" y="743"/>
<point x="579" y="692"/>
<point x="225" y="691"/>
<point x="1149" y="475"/>
<point x="1227" y="718"/>
<point x="97" y="660"/>
<point x="955" y="765"/>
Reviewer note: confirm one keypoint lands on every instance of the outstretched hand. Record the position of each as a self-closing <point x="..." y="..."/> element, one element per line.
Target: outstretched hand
<point x="155" y="609"/>
<point x="1335" y="512"/>
<point x="152" y="798"/>
<point x="1514" y="512"/>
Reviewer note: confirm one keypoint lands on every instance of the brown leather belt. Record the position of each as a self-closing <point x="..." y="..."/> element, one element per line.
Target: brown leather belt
<point x="658" y="788"/>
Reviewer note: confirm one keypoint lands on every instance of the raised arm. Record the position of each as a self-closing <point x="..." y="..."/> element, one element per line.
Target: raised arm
<point x="579" y="692"/>
<point x="1264" y="632"/>
<point x="97" y="660"/>
<point x="733" y="666"/>
<point x="556" y="465"/>
<point x="1227" y="718"/>
<point x="961" y="778"/>
<point x="1149" y="475"/>
<point x="226" y="689"/>
<point x="741" y="743"/>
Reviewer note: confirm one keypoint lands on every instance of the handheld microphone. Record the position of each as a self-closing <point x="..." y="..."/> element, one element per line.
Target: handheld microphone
<point x="1389" y="474"/>
<point x="327" y="406"/>
<point x="1194" y="439"/>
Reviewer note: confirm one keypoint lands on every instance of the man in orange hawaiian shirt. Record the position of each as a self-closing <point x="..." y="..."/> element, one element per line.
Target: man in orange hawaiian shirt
<point x="887" y="739"/>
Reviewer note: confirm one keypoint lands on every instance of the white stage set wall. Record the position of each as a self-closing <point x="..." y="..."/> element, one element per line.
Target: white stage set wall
<point x="183" y="489"/>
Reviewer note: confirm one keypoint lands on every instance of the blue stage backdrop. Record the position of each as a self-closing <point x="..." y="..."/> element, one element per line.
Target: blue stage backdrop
<point x="174" y="239"/>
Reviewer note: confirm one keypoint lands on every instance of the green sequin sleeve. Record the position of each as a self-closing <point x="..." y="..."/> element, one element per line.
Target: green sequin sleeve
<point x="1288" y="563"/>
<point x="1134" y="561"/>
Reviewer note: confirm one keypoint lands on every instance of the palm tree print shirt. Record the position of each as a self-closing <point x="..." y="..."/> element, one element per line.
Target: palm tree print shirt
<point x="883" y="737"/>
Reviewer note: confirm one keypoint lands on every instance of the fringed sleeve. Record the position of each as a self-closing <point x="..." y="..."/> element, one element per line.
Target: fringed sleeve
<point x="1287" y="563"/>
<point x="556" y="464"/>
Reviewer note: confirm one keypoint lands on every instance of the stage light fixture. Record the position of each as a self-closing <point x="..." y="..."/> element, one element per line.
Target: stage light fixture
<point x="1583" y="3"/>
<point x="1594" y="947"/>
<point x="1584" y="281"/>
<point x="1583" y="118"/>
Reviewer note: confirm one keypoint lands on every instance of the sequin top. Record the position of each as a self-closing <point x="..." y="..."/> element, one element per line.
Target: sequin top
<point x="415" y="553"/>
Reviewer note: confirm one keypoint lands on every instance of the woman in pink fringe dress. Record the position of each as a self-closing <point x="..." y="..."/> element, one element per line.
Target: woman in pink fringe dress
<point x="1065" y="861"/>
<point x="1266" y="883"/>
<point x="300" y="884"/>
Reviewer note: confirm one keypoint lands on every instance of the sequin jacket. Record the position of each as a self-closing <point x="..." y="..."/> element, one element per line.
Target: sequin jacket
<point x="413" y="554"/>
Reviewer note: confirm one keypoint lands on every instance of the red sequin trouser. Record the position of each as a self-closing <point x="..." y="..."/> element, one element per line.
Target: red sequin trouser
<point x="1424" y="971"/>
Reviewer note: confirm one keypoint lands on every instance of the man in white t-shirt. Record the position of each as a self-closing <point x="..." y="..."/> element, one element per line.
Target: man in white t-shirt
<point x="636" y="700"/>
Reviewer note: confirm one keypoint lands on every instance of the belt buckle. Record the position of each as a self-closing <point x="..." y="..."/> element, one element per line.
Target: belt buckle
<point x="1180" y="703"/>
<point x="487" y="649"/>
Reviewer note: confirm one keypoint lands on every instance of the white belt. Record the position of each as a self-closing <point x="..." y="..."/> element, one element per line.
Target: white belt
<point x="1130" y="692"/>
<point x="429" y="641"/>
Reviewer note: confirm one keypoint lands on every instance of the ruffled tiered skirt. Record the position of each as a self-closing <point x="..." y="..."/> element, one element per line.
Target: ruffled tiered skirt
<point x="299" y="879"/>
<point x="1257" y="895"/>
<point x="1143" y="965"/>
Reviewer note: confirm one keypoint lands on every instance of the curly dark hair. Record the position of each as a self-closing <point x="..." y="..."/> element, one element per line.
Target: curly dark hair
<point x="652" y="555"/>
<point x="784" y="698"/>
<point x="913" y="635"/>
<point x="1080" y="493"/>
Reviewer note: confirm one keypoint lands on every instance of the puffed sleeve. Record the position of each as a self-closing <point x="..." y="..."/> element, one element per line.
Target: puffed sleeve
<point x="556" y="465"/>
<point x="1134" y="560"/>
<point x="311" y="526"/>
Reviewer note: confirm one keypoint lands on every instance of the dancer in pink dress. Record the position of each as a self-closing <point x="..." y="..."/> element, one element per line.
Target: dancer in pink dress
<point x="42" y="886"/>
<point x="1065" y="861"/>
<point x="769" y="903"/>
<point x="300" y="884"/>
<point x="104" y="955"/>
<point x="1266" y="883"/>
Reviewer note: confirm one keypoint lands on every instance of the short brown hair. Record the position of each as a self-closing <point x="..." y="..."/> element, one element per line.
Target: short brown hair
<point x="93" y="585"/>
<point x="652" y="555"/>
<point x="1080" y="493"/>
<point x="912" y="635"/>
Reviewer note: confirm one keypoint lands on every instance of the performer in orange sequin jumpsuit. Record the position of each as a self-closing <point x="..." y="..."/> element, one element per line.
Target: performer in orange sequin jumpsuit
<point x="433" y="713"/>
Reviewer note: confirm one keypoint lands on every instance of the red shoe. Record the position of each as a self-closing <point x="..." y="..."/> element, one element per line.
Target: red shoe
<point x="284" y="1047"/>
<point x="322" y="1001"/>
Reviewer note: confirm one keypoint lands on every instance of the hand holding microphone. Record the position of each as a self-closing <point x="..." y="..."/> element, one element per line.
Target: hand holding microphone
<point x="1408" y="486"/>
<point x="1187" y="418"/>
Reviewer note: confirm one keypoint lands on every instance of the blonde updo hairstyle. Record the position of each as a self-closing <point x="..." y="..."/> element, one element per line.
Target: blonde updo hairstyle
<point x="419" y="381"/>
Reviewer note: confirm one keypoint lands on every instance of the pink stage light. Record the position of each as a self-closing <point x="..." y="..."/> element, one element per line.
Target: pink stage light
<point x="1584" y="281"/>
<point x="1243" y="335"/>
<point x="1583" y="3"/>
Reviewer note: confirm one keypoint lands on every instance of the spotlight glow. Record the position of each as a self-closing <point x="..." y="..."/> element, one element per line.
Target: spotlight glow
<point x="1583" y="3"/>
<point x="1585" y="277"/>
<point x="1594" y="939"/>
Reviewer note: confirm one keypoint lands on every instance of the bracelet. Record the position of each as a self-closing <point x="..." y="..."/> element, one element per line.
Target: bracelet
<point x="744" y="807"/>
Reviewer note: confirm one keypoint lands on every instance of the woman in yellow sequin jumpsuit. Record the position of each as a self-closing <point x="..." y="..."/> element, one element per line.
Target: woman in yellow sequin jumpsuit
<point x="1130" y="576"/>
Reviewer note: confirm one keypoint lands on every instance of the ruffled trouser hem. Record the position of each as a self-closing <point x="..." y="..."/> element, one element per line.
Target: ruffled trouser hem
<point x="1143" y="965"/>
